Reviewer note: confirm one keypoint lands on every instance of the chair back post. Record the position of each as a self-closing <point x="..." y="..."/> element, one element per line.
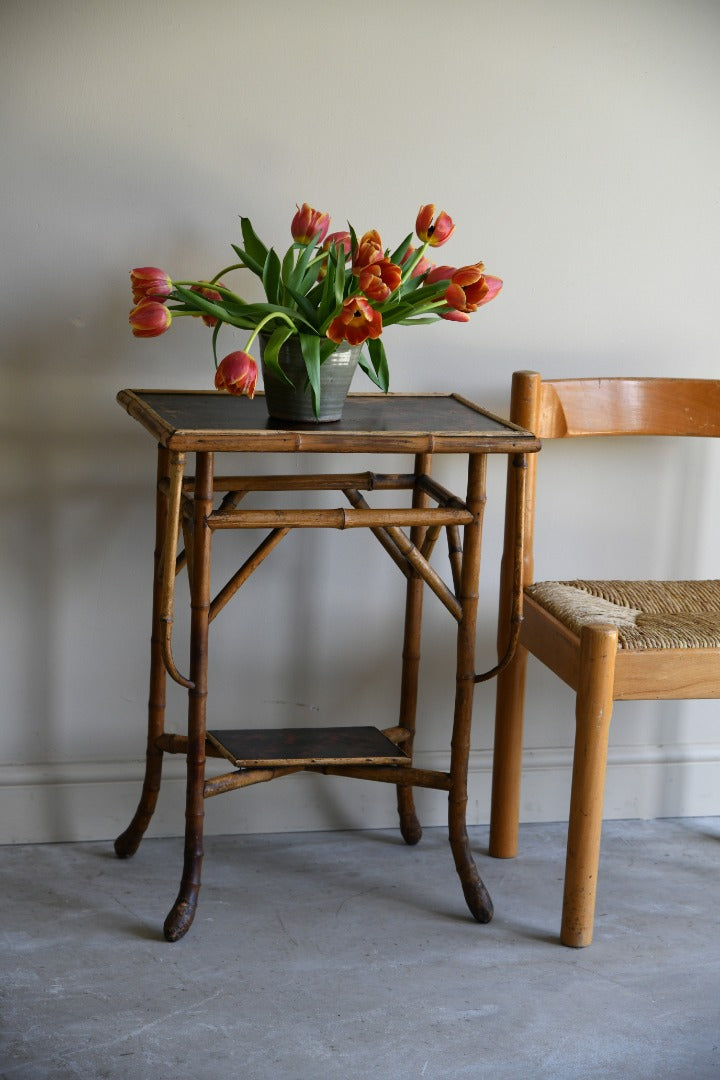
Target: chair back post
<point x="524" y="408"/>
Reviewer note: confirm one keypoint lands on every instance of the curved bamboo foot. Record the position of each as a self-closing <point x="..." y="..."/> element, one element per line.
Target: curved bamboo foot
<point x="128" y="842"/>
<point x="182" y="913"/>
<point x="410" y="827"/>
<point x="476" y="895"/>
<point x="478" y="898"/>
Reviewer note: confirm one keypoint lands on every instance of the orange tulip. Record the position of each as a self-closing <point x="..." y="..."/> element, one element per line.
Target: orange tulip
<point x="309" y="226"/>
<point x="149" y="283"/>
<point x="356" y="322"/>
<point x="237" y="374"/>
<point x="369" y="250"/>
<point x="150" y="319"/>
<point x="433" y="232"/>
<point x="379" y="279"/>
<point x="468" y="290"/>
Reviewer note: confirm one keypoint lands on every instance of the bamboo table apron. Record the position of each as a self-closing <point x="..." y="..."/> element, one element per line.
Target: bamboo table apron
<point x="195" y="506"/>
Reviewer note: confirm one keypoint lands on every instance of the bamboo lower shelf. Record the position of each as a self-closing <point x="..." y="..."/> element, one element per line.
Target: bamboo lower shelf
<point x="255" y="747"/>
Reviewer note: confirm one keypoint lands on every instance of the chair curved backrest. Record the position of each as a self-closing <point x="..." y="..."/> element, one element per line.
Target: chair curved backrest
<point x="594" y="635"/>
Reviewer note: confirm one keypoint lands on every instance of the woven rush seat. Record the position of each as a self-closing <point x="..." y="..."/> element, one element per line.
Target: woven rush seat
<point x="648" y="614"/>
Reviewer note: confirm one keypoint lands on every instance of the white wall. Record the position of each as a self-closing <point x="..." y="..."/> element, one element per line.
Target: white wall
<point x="576" y="146"/>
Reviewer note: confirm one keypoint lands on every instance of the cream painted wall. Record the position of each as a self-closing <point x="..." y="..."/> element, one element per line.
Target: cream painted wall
<point x="576" y="146"/>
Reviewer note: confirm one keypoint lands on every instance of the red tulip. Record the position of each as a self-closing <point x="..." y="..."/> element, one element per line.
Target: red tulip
<point x="356" y="322"/>
<point x="379" y="279"/>
<point x="149" y="283"/>
<point x="433" y="232"/>
<point x="340" y="239"/>
<point x="150" y="319"/>
<point x="237" y="374"/>
<point x="309" y="226"/>
<point x="209" y="294"/>
<point x="342" y="242"/>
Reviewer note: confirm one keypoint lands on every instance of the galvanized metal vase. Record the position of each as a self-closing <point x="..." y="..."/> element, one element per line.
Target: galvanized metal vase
<point x="295" y="402"/>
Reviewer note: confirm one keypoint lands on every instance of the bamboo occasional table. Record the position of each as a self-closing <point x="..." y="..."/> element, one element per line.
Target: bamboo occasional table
<point x="418" y="425"/>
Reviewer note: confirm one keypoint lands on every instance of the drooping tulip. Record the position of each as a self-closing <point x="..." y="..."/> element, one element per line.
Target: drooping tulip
<point x="356" y="322"/>
<point x="237" y="373"/>
<point x="379" y="279"/>
<point x="433" y="230"/>
<point x="209" y="294"/>
<point x="150" y="318"/>
<point x="309" y="226"/>
<point x="149" y="283"/>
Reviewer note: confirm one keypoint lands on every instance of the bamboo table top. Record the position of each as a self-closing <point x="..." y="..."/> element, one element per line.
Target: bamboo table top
<point x="201" y="420"/>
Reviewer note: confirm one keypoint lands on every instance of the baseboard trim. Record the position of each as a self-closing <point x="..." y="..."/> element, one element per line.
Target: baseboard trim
<point x="75" y="801"/>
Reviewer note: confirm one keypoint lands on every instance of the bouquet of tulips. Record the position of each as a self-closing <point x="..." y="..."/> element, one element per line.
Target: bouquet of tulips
<point x="328" y="288"/>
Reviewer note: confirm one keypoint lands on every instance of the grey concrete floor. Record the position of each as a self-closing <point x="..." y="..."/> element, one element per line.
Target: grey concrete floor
<point x="348" y="955"/>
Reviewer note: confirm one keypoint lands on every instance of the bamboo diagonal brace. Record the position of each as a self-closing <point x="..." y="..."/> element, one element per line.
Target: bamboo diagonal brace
<point x="395" y="541"/>
<point x="430" y="576"/>
<point x="455" y="554"/>
<point x="356" y="499"/>
<point x="251" y="564"/>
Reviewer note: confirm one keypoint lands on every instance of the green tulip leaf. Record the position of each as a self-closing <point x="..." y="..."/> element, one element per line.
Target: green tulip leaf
<point x="379" y="363"/>
<point x="400" y="252"/>
<point x="306" y="308"/>
<point x="311" y="355"/>
<point x="271" y="353"/>
<point x="271" y="276"/>
<point x="253" y="244"/>
<point x="248" y="261"/>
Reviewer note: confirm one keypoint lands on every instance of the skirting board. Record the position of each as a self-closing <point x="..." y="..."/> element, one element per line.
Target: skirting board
<point x="95" y="801"/>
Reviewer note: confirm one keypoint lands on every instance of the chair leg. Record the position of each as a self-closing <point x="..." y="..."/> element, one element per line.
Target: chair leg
<point x="593" y="711"/>
<point x="507" y="758"/>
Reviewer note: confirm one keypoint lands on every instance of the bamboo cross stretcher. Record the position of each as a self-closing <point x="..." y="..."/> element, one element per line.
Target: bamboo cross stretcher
<point x="408" y="534"/>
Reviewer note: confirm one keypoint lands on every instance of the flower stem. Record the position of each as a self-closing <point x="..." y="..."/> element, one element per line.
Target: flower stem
<point x="263" y="322"/>
<point x="226" y="270"/>
<point x="227" y="293"/>
<point x="416" y="257"/>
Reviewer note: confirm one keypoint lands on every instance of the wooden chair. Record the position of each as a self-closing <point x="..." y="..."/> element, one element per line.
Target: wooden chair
<point x="608" y="640"/>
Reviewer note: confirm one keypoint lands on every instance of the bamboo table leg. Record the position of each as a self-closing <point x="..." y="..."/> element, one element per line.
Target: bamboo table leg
<point x="182" y="913"/>
<point x="409" y="825"/>
<point x="476" y="895"/>
<point x="129" y="841"/>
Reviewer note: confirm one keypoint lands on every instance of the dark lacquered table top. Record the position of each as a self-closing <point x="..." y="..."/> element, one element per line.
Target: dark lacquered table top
<point x="375" y="422"/>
